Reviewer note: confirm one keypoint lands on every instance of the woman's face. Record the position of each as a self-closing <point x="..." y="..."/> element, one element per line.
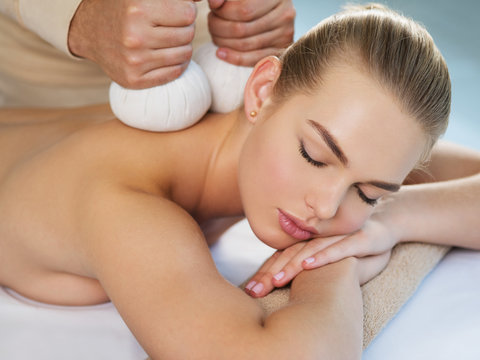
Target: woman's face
<point x="316" y="165"/>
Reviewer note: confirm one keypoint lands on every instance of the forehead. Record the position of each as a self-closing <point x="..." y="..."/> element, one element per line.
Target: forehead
<point x="367" y="121"/>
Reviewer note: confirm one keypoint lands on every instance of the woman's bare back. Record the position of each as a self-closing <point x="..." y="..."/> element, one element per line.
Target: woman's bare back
<point x="43" y="175"/>
<point x="54" y="165"/>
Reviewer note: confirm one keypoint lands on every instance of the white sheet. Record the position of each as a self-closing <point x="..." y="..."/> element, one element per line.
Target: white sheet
<point x="441" y="321"/>
<point x="30" y="330"/>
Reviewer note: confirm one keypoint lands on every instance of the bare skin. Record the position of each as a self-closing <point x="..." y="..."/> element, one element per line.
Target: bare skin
<point x="85" y="246"/>
<point x="42" y="147"/>
<point x="92" y="210"/>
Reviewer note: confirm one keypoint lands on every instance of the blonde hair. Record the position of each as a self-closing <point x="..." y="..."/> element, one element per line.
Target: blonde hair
<point x="395" y="50"/>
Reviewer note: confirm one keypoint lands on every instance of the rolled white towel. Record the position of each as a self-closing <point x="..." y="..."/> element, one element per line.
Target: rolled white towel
<point x="210" y="84"/>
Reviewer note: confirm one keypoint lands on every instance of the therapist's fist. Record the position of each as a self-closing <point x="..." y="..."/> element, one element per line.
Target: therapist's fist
<point x="138" y="43"/>
<point x="249" y="30"/>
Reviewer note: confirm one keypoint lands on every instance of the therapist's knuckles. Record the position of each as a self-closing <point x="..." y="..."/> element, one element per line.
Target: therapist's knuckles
<point x="243" y="11"/>
<point x="184" y="36"/>
<point x="214" y="4"/>
<point x="289" y="13"/>
<point x="161" y="12"/>
<point x="165" y="75"/>
<point x="172" y="56"/>
<point x="252" y="57"/>
<point x="285" y="37"/>
<point x="189" y="13"/>
<point x="134" y="80"/>
<point x="233" y="29"/>
<point x="256" y="42"/>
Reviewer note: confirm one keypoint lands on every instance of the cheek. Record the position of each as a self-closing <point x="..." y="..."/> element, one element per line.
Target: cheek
<point x="276" y="166"/>
<point x="279" y="169"/>
<point x="351" y="217"/>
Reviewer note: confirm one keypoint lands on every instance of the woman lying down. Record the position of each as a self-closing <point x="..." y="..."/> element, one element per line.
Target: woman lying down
<point x="93" y="210"/>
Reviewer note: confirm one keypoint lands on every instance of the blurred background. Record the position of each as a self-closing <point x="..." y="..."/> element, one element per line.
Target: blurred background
<point x="455" y="27"/>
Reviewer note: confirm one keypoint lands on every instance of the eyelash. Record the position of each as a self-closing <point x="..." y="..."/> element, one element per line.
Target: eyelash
<point x="365" y="199"/>
<point x="306" y="156"/>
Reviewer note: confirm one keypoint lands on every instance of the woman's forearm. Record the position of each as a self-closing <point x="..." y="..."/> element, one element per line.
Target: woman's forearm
<point x="324" y="316"/>
<point x="184" y="309"/>
<point x="444" y="212"/>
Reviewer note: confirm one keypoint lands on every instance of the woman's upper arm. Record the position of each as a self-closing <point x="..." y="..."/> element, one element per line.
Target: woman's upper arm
<point x="152" y="260"/>
<point x="448" y="161"/>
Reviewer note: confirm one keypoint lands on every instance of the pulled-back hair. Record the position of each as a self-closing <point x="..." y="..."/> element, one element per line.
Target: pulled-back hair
<point x="398" y="52"/>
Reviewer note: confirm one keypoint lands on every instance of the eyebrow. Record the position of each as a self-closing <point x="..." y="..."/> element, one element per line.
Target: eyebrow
<point x="330" y="141"/>
<point x="337" y="151"/>
<point x="384" y="185"/>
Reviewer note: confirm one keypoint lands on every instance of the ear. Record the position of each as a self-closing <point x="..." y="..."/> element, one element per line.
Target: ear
<point x="260" y="85"/>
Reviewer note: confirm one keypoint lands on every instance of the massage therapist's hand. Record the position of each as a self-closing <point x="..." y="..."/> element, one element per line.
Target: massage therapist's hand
<point x="372" y="244"/>
<point x="138" y="43"/>
<point x="249" y="30"/>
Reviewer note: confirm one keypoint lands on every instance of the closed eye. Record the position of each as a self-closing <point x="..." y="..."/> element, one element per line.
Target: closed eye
<point x="307" y="157"/>
<point x="365" y="199"/>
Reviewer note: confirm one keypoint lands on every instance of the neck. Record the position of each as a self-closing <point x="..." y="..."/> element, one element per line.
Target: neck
<point x="221" y="196"/>
<point x="222" y="140"/>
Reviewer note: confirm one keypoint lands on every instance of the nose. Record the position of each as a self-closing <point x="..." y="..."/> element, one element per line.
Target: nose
<point x="324" y="202"/>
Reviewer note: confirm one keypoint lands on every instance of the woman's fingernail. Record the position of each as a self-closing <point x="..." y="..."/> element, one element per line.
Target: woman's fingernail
<point x="222" y="54"/>
<point x="279" y="276"/>
<point x="309" y="260"/>
<point x="257" y="289"/>
<point x="250" y="285"/>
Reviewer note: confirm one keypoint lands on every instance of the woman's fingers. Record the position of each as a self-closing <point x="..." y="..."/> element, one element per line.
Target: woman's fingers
<point x="260" y="284"/>
<point x="284" y="265"/>
<point x="294" y="266"/>
<point x="348" y="246"/>
<point x="371" y="244"/>
<point x="359" y="244"/>
<point x="263" y="282"/>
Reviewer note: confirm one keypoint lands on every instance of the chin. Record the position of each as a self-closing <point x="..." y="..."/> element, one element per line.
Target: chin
<point x="266" y="228"/>
<point x="275" y="238"/>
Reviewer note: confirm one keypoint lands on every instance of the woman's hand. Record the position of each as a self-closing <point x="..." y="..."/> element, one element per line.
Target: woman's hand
<point x="249" y="30"/>
<point x="371" y="244"/>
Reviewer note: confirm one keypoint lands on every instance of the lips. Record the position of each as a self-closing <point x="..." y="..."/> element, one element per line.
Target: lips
<point x="293" y="227"/>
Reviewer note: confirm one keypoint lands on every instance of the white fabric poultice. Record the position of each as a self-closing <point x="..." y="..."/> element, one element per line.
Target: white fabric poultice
<point x="211" y="84"/>
<point x="227" y="81"/>
<point x="169" y="107"/>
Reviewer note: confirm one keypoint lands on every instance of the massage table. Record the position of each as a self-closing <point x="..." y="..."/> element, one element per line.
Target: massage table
<point x="440" y="321"/>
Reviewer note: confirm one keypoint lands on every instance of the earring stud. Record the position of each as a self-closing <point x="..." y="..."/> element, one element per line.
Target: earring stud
<point x="253" y="113"/>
